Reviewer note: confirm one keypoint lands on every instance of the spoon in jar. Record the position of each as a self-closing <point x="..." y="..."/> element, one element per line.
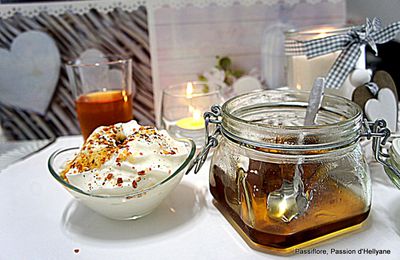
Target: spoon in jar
<point x="290" y="201"/>
<point x="314" y="101"/>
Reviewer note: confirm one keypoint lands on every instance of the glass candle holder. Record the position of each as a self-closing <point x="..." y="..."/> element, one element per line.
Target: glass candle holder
<point x="183" y="106"/>
<point x="302" y="71"/>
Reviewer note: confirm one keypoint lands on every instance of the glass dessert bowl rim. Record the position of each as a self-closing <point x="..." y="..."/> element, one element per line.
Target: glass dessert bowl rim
<point x="215" y="89"/>
<point x="181" y="167"/>
<point x="348" y="121"/>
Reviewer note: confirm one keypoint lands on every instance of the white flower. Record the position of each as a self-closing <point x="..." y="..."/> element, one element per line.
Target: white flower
<point x="215" y="77"/>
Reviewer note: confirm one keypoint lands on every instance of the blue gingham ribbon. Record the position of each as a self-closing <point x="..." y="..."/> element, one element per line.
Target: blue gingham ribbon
<point x="370" y="33"/>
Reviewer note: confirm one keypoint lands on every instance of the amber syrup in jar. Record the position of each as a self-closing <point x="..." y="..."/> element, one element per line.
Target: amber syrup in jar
<point x="332" y="208"/>
<point x="323" y="217"/>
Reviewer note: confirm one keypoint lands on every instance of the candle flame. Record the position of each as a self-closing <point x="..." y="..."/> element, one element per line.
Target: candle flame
<point x="298" y="86"/>
<point x="196" y="115"/>
<point x="189" y="90"/>
<point x="324" y="32"/>
<point x="321" y="29"/>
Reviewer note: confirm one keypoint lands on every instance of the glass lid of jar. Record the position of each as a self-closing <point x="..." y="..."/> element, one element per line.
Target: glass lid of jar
<point x="275" y="120"/>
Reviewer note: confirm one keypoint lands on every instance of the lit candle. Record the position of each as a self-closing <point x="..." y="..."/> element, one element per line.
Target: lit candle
<point x="302" y="71"/>
<point x="195" y="122"/>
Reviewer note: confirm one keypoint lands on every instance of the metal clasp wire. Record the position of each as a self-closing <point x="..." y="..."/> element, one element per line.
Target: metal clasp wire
<point x="213" y="117"/>
<point x="380" y="134"/>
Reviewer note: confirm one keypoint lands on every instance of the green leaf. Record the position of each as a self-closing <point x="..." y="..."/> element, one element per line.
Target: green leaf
<point x="237" y="73"/>
<point x="202" y="78"/>
<point x="225" y="63"/>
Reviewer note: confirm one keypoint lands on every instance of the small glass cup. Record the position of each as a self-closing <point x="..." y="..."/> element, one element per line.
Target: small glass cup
<point x="102" y="87"/>
<point x="183" y="106"/>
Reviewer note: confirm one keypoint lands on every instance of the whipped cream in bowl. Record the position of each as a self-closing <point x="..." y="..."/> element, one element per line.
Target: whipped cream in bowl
<point x="123" y="171"/>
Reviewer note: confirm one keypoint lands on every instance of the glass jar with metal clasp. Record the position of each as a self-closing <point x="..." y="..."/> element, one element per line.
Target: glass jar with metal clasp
<point x="283" y="185"/>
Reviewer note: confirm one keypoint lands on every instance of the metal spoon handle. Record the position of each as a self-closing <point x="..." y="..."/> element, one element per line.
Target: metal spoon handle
<point x="314" y="101"/>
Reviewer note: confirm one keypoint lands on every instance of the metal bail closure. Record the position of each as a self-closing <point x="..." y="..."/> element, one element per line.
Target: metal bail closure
<point x="212" y="117"/>
<point x="380" y="134"/>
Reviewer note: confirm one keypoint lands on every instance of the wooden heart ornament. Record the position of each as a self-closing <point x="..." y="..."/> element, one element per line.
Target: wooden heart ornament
<point x="361" y="95"/>
<point x="385" y="107"/>
<point x="29" y="72"/>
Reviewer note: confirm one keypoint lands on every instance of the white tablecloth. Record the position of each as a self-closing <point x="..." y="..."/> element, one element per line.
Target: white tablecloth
<point x="40" y="220"/>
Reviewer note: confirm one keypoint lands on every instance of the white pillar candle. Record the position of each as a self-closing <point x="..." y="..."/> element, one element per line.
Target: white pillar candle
<point x="301" y="71"/>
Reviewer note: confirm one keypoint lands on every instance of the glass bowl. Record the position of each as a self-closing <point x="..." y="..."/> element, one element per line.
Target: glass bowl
<point x="121" y="207"/>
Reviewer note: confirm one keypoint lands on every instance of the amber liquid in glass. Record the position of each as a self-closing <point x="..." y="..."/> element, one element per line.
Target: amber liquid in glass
<point x="103" y="108"/>
<point x="332" y="208"/>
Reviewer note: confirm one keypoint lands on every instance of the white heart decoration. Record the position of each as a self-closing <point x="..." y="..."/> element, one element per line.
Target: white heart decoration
<point x="356" y="78"/>
<point x="359" y="77"/>
<point x="246" y="84"/>
<point x="385" y="107"/>
<point x="29" y="71"/>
